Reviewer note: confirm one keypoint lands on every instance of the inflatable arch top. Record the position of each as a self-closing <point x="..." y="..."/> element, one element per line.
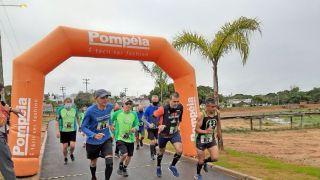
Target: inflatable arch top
<point x="31" y="67"/>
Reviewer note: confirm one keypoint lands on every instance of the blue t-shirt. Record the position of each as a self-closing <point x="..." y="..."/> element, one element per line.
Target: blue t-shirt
<point x="149" y="112"/>
<point x="97" y="121"/>
<point x="141" y="124"/>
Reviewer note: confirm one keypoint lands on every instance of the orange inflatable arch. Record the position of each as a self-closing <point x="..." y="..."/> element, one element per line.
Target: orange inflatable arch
<point x="31" y="67"/>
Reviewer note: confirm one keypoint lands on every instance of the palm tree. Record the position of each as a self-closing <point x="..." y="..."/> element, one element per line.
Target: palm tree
<point x="232" y="36"/>
<point x="161" y="78"/>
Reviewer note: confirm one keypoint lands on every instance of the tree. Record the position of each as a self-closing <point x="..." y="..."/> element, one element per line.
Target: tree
<point x="83" y="99"/>
<point x="232" y="36"/>
<point x="204" y="92"/>
<point x="314" y="94"/>
<point x="166" y="93"/>
<point x="7" y="94"/>
<point x="160" y="77"/>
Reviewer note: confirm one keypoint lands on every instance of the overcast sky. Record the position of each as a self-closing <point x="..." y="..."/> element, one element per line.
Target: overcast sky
<point x="286" y="54"/>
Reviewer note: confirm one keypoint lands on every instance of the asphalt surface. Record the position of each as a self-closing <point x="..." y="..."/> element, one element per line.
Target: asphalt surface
<point x="140" y="167"/>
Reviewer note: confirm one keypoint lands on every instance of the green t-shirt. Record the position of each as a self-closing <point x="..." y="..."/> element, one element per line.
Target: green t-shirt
<point x="81" y="116"/>
<point x="123" y="123"/>
<point x="68" y="119"/>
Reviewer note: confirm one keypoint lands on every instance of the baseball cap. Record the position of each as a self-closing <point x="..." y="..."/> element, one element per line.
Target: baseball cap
<point x="128" y="100"/>
<point x="101" y="93"/>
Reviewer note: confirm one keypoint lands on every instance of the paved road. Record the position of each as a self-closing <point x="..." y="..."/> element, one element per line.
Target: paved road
<point x="141" y="167"/>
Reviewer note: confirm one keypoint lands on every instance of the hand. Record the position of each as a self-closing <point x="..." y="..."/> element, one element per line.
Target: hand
<point x="161" y="127"/>
<point x="112" y="127"/>
<point x="219" y="136"/>
<point x="58" y="134"/>
<point x="151" y="125"/>
<point x="99" y="136"/>
<point x="17" y="111"/>
<point x="134" y="130"/>
<point x="209" y="130"/>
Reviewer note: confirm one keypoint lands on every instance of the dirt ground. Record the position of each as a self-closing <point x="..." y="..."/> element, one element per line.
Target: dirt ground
<point x="297" y="146"/>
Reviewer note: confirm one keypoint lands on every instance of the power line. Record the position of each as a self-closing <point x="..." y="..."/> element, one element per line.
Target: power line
<point x="86" y="82"/>
<point x="11" y="27"/>
<point x="125" y="91"/>
<point x="62" y="88"/>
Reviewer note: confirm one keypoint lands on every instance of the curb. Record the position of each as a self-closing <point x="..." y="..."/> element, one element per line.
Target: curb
<point x="42" y="153"/>
<point x="233" y="173"/>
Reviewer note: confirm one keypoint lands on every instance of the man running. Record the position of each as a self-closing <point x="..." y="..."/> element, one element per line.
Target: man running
<point x="205" y="139"/>
<point x="171" y="117"/>
<point x="140" y="132"/>
<point x="81" y="116"/>
<point x="96" y="125"/>
<point x="66" y="128"/>
<point x="126" y="124"/>
<point x="151" y="127"/>
<point x="116" y="108"/>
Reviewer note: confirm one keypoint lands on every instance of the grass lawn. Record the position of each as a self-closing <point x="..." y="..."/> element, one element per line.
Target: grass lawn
<point x="262" y="166"/>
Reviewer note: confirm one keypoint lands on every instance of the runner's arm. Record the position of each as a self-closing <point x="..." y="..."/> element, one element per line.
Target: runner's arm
<point x="85" y="124"/>
<point x="199" y="124"/>
<point x="136" y="122"/>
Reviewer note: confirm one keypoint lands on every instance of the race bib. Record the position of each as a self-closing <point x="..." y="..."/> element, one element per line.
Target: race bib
<point x="173" y="130"/>
<point x="68" y="125"/>
<point x="206" y="139"/>
<point x="102" y="125"/>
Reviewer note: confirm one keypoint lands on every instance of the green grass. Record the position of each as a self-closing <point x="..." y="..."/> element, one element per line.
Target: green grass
<point x="255" y="165"/>
<point x="261" y="166"/>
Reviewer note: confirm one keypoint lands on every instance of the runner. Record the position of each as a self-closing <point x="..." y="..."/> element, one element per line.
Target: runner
<point x="151" y="127"/>
<point x="205" y="139"/>
<point x="139" y="140"/>
<point x="81" y="116"/>
<point x="116" y="108"/>
<point x="126" y="124"/>
<point x="96" y="125"/>
<point x="171" y="117"/>
<point x="6" y="163"/>
<point x="66" y="128"/>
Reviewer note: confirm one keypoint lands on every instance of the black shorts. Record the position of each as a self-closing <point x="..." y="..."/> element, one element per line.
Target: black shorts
<point x="66" y="137"/>
<point x="99" y="150"/>
<point x="204" y="146"/>
<point x="140" y="132"/>
<point x="152" y="134"/>
<point x="125" y="147"/>
<point x="162" y="141"/>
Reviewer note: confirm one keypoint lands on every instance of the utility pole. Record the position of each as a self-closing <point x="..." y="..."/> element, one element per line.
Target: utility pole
<point x="86" y="82"/>
<point x="62" y="88"/>
<point x="125" y="91"/>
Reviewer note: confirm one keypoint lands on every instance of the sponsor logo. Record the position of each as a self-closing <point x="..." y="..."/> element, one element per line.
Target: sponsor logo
<point x="21" y="146"/>
<point x="193" y="115"/>
<point x="134" y="42"/>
